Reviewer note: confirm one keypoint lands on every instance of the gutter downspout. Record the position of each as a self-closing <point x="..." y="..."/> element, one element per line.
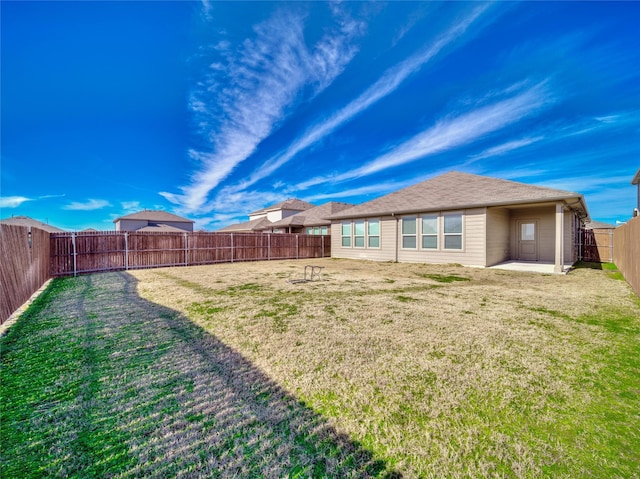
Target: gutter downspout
<point x="396" y="239"/>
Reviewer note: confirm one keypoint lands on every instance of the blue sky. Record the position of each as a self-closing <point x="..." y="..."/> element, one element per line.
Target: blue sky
<point x="213" y="110"/>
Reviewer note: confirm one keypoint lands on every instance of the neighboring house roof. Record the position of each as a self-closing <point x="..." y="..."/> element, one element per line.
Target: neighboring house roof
<point x="26" y="221"/>
<point x="456" y="190"/>
<point x="598" y="225"/>
<point x="290" y="204"/>
<point x="317" y="216"/>
<point x="161" y="228"/>
<point x="253" y="225"/>
<point x="154" y="216"/>
<point x="636" y="179"/>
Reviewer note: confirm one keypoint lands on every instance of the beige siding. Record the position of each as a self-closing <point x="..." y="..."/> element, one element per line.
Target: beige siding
<point x="546" y="220"/>
<point x="473" y="252"/>
<point x="130" y="225"/>
<point x="498" y="235"/>
<point x="387" y="249"/>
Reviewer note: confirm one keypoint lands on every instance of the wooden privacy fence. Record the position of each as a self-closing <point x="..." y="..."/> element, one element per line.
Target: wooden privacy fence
<point x="596" y="245"/>
<point x="626" y="239"/>
<point x="24" y="267"/>
<point x="91" y="252"/>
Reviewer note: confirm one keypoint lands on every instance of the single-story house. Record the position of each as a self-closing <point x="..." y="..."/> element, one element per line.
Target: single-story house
<point x="262" y="219"/>
<point x="30" y="222"/>
<point x="312" y="221"/>
<point x="466" y="219"/>
<point x="153" y="221"/>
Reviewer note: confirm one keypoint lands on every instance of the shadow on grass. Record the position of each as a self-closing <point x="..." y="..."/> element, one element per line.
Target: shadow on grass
<point x="118" y="386"/>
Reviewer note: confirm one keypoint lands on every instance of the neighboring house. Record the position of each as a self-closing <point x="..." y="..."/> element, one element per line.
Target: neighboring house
<point x="466" y="219"/>
<point x="636" y="181"/>
<point x="312" y="221"/>
<point x="261" y="219"/>
<point x="153" y="221"/>
<point x="281" y="210"/>
<point x="254" y="226"/>
<point x="26" y="221"/>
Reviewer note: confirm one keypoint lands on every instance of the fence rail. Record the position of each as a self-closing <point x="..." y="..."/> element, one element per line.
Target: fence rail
<point x="24" y="267"/>
<point x="91" y="252"/>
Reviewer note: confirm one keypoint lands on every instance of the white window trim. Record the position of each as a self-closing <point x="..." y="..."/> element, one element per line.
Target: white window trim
<point x="438" y="216"/>
<point x="461" y="234"/>
<point x="363" y="235"/>
<point x="342" y="235"/>
<point x="373" y="236"/>
<point x="403" y="235"/>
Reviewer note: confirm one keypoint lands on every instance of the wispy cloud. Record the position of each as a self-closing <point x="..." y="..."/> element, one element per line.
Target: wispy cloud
<point x="384" y="86"/>
<point x="13" y="201"/>
<point x="261" y="82"/>
<point x="89" y="205"/>
<point x="452" y="132"/>
<point x="505" y="148"/>
<point x="16" y="201"/>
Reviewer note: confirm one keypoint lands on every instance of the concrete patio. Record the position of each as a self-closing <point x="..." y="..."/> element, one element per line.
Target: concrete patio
<point x="530" y="266"/>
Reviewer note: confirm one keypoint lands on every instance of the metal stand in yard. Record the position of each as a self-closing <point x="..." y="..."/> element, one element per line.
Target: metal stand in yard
<point x="314" y="274"/>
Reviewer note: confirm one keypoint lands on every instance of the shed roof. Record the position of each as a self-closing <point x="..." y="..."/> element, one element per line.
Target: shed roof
<point x="154" y="215"/>
<point x="456" y="190"/>
<point x="636" y="178"/>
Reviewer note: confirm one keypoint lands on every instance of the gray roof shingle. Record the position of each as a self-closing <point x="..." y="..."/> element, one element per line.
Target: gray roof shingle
<point x="154" y="216"/>
<point x="317" y="216"/>
<point x="290" y="204"/>
<point x="456" y="190"/>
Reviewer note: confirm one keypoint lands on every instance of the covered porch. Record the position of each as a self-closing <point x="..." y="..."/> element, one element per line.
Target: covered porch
<point x="532" y="237"/>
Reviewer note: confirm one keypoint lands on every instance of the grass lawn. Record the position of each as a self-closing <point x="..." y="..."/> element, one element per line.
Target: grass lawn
<point x="378" y="370"/>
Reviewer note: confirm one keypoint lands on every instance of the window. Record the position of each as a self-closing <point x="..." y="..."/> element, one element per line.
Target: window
<point x="346" y="235"/>
<point x="409" y="232"/>
<point x="430" y="232"/>
<point x="453" y="231"/>
<point x="309" y="231"/>
<point x="358" y="234"/>
<point x="528" y="232"/>
<point x="324" y="230"/>
<point x="373" y="233"/>
<point x="316" y="230"/>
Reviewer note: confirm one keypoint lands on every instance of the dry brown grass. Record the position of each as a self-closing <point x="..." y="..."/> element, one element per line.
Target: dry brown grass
<point x="490" y="374"/>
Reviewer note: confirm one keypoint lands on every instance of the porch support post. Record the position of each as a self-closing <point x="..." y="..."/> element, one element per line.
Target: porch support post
<point x="559" y="263"/>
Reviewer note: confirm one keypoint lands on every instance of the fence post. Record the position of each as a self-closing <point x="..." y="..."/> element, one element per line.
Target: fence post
<point x="186" y="250"/>
<point x="610" y="245"/>
<point x="126" y="251"/>
<point x="322" y="243"/>
<point x="268" y="246"/>
<point x="75" y="253"/>
<point x="297" y="247"/>
<point x="231" y="247"/>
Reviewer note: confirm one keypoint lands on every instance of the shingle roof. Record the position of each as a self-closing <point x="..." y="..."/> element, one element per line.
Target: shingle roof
<point x="155" y="216"/>
<point x="253" y="225"/>
<point x="290" y="204"/>
<point x="599" y="225"/>
<point x="456" y="190"/>
<point x="161" y="228"/>
<point x="636" y="178"/>
<point x="316" y="216"/>
<point x="26" y="221"/>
